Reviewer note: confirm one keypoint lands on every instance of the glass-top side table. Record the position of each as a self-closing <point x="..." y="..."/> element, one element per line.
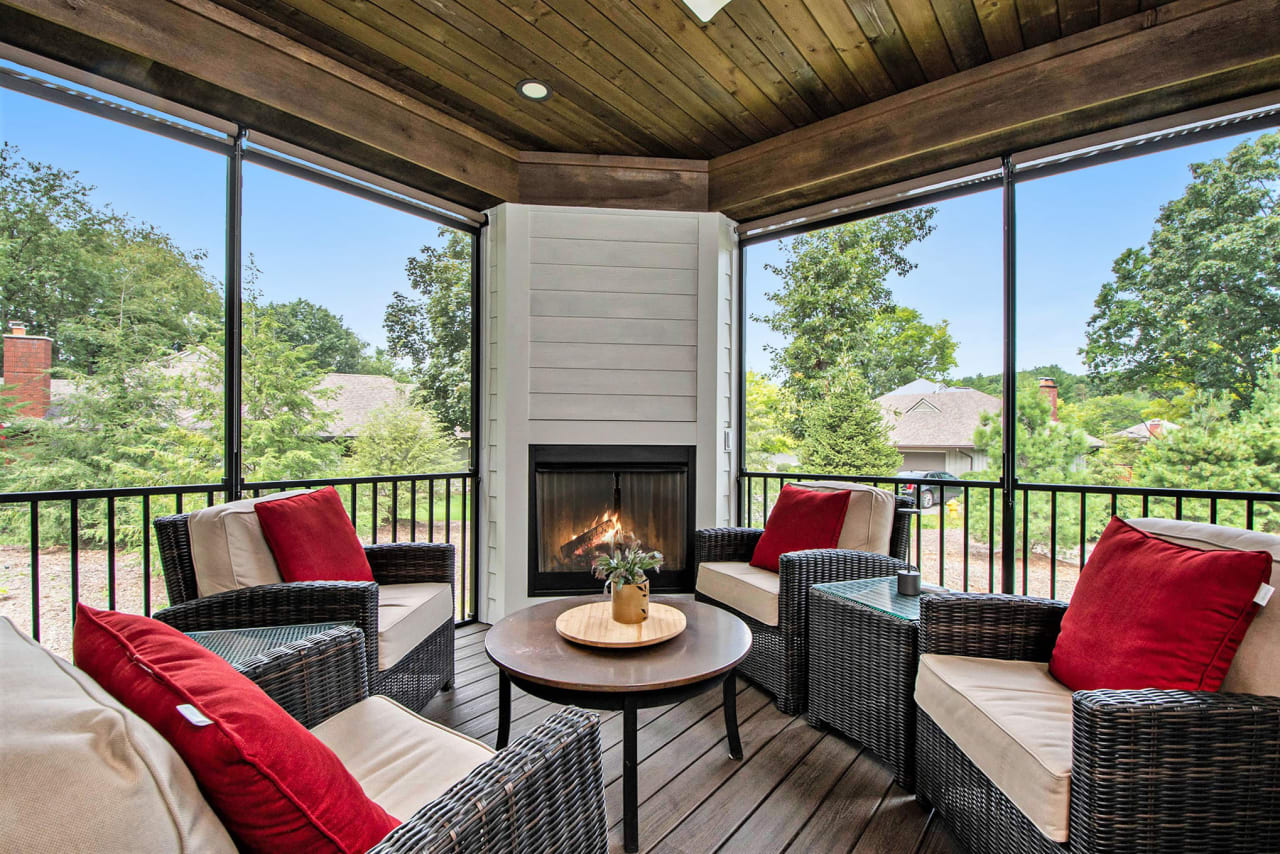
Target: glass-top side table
<point x="863" y="655"/>
<point x="881" y="594"/>
<point x="237" y="646"/>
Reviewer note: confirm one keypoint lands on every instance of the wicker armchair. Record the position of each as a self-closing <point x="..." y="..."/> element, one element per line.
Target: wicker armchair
<point x="545" y="792"/>
<point x="412" y="681"/>
<point x="1152" y="770"/>
<point x="778" y="661"/>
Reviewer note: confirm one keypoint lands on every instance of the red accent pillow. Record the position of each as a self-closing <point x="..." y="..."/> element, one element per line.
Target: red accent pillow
<point x="275" y="785"/>
<point x="1147" y="613"/>
<point x="802" y="519"/>
<point x="312" y="539"/>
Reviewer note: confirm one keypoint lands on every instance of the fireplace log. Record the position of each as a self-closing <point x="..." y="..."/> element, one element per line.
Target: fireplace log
<point x="588" y="539"/>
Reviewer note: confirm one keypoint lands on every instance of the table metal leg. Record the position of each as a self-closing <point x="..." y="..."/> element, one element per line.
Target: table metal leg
<point x="504" y="709"/>
<point x="731" y="715"/>
<point x="630" y="811"/>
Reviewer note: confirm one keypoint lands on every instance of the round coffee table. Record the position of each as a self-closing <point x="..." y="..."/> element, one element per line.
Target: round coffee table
<point x="531" y="654"/>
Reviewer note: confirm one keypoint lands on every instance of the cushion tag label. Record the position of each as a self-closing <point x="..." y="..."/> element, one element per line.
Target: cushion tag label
<point x="1264" y="593"/>
<point x="192" y="714"/>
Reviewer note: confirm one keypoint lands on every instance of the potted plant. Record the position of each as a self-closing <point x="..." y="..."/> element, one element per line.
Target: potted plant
<point x="624" y="575"/>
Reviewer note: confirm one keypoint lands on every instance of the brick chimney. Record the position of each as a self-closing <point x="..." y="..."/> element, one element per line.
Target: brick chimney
<point x="1049" y="389"/>
<point x="27" y="359"/>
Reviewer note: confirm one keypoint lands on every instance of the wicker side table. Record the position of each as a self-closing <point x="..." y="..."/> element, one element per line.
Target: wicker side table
<point x="863" y="654"/>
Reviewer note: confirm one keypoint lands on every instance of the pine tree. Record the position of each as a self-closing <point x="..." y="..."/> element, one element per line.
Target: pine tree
<point x="845" y="432"/>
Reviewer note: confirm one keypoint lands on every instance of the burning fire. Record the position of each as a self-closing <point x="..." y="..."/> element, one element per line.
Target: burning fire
<point x="604" y="531"/>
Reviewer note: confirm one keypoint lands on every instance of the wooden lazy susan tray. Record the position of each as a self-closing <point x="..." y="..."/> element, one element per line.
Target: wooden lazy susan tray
<point x="594" y="625"/>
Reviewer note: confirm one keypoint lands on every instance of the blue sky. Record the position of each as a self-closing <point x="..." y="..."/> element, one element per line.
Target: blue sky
<point x="348" y="254"/>
<point x="1070" y="228"/>
<point x="340" y="251"/>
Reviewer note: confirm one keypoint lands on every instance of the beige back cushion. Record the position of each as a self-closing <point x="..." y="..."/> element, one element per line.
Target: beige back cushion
<point x="1254" y="670"/>
<point x="81" y="773"/>
<point x="228" y="549"/>
<point x="868" y="523"/>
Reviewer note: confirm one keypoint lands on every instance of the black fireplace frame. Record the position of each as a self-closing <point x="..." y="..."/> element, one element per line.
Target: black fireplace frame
<point x="584" y="458"/>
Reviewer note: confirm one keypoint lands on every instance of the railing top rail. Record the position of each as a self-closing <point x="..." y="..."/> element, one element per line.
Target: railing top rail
<point x="1075" y="488"/>
<point x="117" y="492"/>
<point x="344" y="481"/>
<point x="862" y="478"/>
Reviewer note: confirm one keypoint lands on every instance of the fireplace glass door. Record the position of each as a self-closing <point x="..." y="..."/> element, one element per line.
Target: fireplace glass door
<point x="585" y="510"/>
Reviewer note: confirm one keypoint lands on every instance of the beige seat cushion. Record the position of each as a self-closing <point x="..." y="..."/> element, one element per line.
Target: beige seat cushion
<point x="743" y="587"/>
<point x="79" y="772"/>
<point x="1254" y="669"/>
<point x="407" y="613"/>
<point x="1013" y="720"/>
<point x="228" y="550"/>
<point x="403" y="761"/>
<point x="868" y="523"/>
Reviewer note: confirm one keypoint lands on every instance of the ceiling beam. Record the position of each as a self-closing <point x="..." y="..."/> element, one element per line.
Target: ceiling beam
<point x="198" y="42"/>
<point x="1187" y="54"/>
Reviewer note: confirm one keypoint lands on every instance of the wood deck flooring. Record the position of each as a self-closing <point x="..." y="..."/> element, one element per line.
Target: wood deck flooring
<point x="797" y="789"/>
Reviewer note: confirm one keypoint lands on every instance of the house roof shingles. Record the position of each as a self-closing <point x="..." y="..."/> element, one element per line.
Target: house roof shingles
<point x="943" y="419"/>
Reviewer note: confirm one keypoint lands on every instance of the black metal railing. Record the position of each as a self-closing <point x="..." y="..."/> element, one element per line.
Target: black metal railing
<point x="958" y="542"/>
<point x="58" y="548"/>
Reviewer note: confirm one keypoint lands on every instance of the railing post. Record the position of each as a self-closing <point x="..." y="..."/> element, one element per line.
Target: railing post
<point x="1009" y="406"/>
<point x="233" y="474"/>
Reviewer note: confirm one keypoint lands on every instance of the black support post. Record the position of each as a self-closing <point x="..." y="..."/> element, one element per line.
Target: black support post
<point x="233" y="474"/>
<point x="1009" y="407"/>
<point x="740" y="410"/>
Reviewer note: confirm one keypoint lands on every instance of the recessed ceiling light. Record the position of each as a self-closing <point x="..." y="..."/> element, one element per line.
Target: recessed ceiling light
<point x="534" y="90"/>
<point x="706" y="9"/>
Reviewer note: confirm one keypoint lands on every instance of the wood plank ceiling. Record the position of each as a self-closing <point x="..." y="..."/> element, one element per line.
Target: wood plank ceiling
<point x="645" y="77"/>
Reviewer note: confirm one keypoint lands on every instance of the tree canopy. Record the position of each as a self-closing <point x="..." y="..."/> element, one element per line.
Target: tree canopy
<point x="835" y="309"/>
<point x="432" y="327"/>
<point x="334" y="347"/>
<point x="845" y="432"/>
<point x="1198" y="306"/>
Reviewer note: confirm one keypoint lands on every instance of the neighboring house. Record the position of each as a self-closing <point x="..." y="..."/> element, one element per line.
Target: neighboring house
<point x="1144" y="432"/>
<point x="932" y="425"/>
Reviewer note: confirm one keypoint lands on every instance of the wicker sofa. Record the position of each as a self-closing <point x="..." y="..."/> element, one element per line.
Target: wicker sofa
<point x="1015" y="762"/>
<point x="393" y="604"/>
<point x="778" y="661"/>
<point x="89" y="775"/>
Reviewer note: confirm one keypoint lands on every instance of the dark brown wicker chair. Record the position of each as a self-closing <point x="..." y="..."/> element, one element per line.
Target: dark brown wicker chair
<point x="1151" y="771"/>
<point x="411" y="681"/>
<point x="778" y="661"/>
<point x="544" y="792"/>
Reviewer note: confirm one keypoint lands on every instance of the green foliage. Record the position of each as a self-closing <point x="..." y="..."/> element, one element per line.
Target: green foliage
<point x="845" y="432"/>
<point x="1198" y="305"/>
<point x="402" y="439"/>
<point x="1046" y="452"/>
<point x="627" y="566"/>
<point x="1105" y="414"/>
<point x="768" y="414"/>
<point x="835" y="309"/>
<point x="433" y="330"/>
<point x="75" y="272"/>
<point x="334" y="347"/>
<point x="1072" y="388"/>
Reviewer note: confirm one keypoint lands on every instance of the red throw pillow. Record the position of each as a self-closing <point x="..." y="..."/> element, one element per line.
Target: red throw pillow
<point x="312" y="539"/>
<point x="1152" y="614"/>
<point x="802" y="519"/>
<point x="275" y="785"/>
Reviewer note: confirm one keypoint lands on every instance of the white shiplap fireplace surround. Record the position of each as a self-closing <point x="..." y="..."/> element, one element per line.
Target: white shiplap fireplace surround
<point x="600" y="327"/>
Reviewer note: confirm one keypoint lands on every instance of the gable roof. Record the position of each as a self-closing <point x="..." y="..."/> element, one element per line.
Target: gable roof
<point x="943" y="418"/>
<point x="1154" y="429"/>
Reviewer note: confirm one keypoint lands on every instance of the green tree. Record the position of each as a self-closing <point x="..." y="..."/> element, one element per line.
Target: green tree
<point x="75" y="272"/>
<point x="845" y="432"/>
<point x="1105" y="414"/>
<point x="402" y="438"/>
<point x="1198" y="305"/>
<point x="334" y="347"/>
<point x="768" y="414"/>
<point x="432" y="329"/>
<point x="835" y="307"/>
<point x="1072" y="388"/>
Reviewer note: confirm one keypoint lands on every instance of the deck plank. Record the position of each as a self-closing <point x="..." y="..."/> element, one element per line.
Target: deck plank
<point x="797" y="789"/>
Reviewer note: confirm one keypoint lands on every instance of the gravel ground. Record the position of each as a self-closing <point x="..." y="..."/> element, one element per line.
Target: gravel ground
<point x="55" y="584"/>
<point x="1042" y="577"/>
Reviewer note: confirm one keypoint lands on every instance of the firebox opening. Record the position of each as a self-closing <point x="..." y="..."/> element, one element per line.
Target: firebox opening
<point x="586" y="501"/>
